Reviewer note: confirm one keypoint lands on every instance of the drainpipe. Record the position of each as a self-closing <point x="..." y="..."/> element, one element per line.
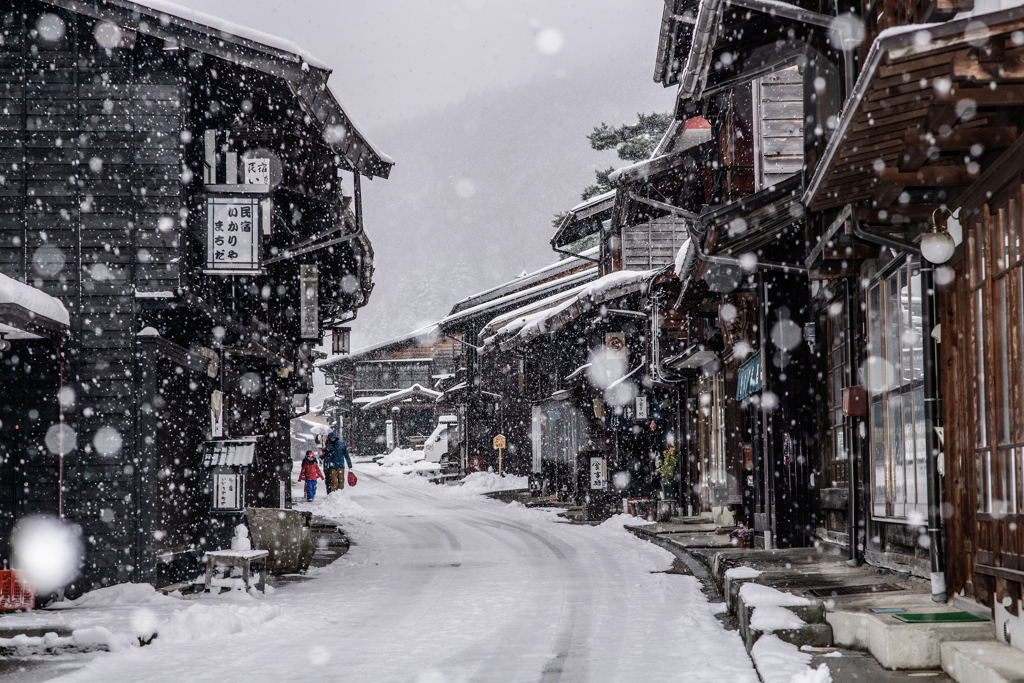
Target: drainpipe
<point x="935" y="549"/>
<point x="936" y="556"/>
<point x="698" y="237"/>
<point x="854" y="436"/>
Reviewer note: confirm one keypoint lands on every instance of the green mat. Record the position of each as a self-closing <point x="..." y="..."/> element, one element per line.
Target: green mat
<point x="939" y="617"/>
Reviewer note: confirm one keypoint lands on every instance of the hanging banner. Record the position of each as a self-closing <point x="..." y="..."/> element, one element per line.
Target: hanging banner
<point x="309" y="306"/>
<point x="217" y="413"/>
<point x="232" y="242"/>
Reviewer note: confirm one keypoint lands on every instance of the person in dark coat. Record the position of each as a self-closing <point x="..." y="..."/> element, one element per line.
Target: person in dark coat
<point x="309" y="473"/>
<point x="336" y="458"/>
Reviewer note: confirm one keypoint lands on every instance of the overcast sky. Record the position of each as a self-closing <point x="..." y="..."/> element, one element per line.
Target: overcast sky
<point x="396" y="59"/>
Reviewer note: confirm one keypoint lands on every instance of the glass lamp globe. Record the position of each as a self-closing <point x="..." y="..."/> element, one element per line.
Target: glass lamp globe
<point x="937" y="246"/>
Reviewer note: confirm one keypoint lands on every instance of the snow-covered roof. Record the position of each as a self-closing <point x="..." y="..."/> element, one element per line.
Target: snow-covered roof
<point x="401" y="395"/>
<point x="531" y="323"/>
<point x="539" y="275"/>
<point x="229" y="28"/>
<point x="34" y="303"/>
<point x="307" y="76"/>
<point x="425" y="334"/>
<point x="512" y="317"/>
<point x="524" y="294"/>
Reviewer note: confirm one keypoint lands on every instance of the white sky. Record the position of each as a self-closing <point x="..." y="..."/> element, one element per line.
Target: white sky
<point x="396" y="59"/>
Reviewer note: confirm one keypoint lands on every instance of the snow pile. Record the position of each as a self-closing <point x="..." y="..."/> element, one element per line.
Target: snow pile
<point x="121" y="594"/>
<point x="339" y="506"/>
<point x="770" y="618"/>
<point x="400" y="456"/>
<point x="742" y="573"/>
<point x="407" y="461"/>
<point x="204" y="622"/>
<point x="619" y="521"/>
<point x="484" y="482"/>
<point x="756" y="595"/>
<point x="780" y="662"/>
<point x="87" y="639"/>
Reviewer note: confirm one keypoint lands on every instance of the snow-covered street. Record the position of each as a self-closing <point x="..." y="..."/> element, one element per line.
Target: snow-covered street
<point x="443" y="584"/>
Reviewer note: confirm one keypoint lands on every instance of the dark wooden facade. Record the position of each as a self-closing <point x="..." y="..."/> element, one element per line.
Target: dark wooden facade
<point x="106" y="172"/>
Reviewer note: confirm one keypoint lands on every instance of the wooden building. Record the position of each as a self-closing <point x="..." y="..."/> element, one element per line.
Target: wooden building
<point x="931" y="128"/>
<point x="374" y="390"/>
<point x="189" y="190"/>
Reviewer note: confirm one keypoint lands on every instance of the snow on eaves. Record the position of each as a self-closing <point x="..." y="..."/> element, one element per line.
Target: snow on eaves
<point x="228" y="28"/>
<point x="528" y="322"/>
<point x="516" y="285"/>
<point x="401" y="395"/>
<point x="32" y="300"/>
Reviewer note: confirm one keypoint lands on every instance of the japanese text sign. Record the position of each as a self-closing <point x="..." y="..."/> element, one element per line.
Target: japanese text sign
<point x="257" y="171"/>
<point x="232" y="240"/>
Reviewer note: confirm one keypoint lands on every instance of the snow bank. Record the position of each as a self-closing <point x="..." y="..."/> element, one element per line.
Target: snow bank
<point x="400" y="456"/>
<point x="484" y="482"/>
<point x="770" y="618"/>
<point x="204" y="621"/>
<point x="780" y="662"/>
<point x="339" y="506"/>
<point x="756" y="595"/>
<point x="121" y="594"/>
<point x="742" y="573"/>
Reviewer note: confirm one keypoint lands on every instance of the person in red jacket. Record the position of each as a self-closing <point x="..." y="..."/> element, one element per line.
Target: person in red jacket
<point x="310" y="473"/>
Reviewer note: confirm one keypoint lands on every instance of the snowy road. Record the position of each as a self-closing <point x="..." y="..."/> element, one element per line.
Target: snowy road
<point x="441" y="585"/>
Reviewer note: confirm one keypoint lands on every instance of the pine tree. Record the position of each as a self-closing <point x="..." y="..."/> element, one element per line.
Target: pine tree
<point x="633" y="143"/>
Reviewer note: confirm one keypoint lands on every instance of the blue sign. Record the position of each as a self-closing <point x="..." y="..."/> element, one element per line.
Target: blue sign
<point x="748" y="380"/>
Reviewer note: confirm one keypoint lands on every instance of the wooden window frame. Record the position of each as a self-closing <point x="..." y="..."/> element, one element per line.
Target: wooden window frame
<point x="896" y="394"/>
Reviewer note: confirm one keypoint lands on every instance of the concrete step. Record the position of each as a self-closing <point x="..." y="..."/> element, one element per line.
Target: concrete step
<point x="897" y="645"/>
<point x="815" y="635"/>
<point x="983" y="662"/>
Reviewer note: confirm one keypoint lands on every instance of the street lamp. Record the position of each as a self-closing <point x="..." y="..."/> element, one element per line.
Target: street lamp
<point x="936" y="243"/>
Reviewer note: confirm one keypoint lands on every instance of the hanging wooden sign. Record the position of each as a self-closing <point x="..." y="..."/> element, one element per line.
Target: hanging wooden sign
<point x="232" y="242"/>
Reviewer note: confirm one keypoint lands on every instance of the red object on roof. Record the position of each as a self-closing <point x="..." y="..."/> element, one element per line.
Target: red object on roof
<point x="696" y="123"/>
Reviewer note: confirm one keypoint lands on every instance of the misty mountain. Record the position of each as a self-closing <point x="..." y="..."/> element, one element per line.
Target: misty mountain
<point x="470" y="201"/>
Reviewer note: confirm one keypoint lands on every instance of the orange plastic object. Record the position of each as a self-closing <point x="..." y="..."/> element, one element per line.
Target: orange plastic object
<point x="17" y="590"/>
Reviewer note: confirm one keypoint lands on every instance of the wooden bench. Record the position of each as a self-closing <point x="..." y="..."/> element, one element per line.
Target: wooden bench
<point x="243" y="559"/>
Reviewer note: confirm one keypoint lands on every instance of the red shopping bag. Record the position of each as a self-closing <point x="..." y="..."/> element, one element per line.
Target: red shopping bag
<point x="352" y="478"/>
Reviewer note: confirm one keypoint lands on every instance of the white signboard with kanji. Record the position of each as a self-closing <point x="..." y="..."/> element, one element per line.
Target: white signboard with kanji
<point x="232" y="240"/>
<point x="597" y="473"/>
<point x="227" y="491"/>
<point x="257" y="171"/>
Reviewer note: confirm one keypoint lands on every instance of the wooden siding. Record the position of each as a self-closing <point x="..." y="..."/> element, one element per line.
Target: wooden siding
<point x="653" y="244"/>
<point x="779" y="102"/>
<point x="90" y="152"/>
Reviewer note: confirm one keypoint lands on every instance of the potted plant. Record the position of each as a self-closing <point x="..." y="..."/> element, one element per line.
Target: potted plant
<point x="742" y="537"/>
<point x="667" y="470"/>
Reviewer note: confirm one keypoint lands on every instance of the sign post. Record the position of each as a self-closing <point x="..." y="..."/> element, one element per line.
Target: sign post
<point x="499" y="444"/>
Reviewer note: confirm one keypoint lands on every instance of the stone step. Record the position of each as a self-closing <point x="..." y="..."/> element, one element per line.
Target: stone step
<point x="814" y="635"/>
<point x="897" y="645"/>
<point x="982" y="662"/>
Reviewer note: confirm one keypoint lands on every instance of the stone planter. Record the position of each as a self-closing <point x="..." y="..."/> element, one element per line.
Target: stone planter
<point x="285" y="535"/>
